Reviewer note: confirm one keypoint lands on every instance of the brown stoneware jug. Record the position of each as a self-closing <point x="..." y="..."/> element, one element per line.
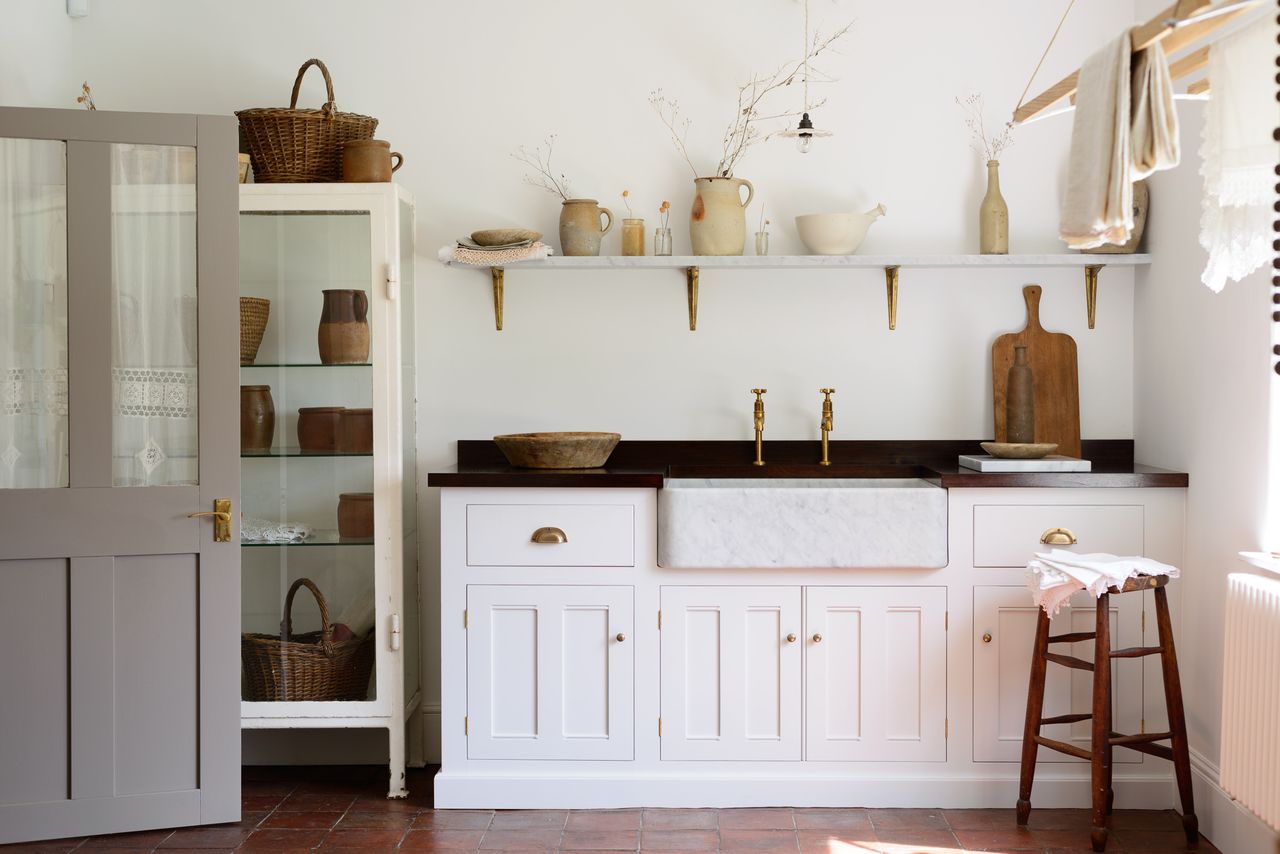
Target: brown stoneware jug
<point x="355" y="434"/>
<point x="355" y="515"/>
<point x="369" y="161"/>
<point x="318" y="428"/>
<point x="257" y="418"/>
<point x="1020" y="400"/>
<point x="344" y="328"/>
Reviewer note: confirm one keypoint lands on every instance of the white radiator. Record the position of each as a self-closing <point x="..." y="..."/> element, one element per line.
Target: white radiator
<point x="1251" y="695"/>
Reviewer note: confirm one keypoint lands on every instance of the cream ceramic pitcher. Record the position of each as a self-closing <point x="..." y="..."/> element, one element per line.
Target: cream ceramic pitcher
<point x="718" y="220"/>
<point x="580" y="229"/>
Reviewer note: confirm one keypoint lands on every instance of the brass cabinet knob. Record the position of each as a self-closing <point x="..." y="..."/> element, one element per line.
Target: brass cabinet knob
<point x="1058" y="537"/>
<point x="548" y="535"/>
<point x="791" y="638"/>
<point x="620" y="637"/>
<point x="986" y="637"/>
<point x="817" y="638"/>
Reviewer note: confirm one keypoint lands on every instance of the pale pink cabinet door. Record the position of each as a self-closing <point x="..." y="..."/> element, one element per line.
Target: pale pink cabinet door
<point x="731" y="673"/>
<point x="876" y="674"/>
<point x="118" y="337"/>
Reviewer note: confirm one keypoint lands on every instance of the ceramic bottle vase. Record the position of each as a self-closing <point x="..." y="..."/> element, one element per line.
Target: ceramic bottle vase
<point x="718" y="219"/>
<point x="257" y="418"/>
<point x="580" y="230"/>
<point x="344" y="328"/>
<point x="993" y="216"/>
<point x="1020" y="400"/>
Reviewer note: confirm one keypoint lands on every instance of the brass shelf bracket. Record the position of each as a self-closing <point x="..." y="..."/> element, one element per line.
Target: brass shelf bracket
<point x="499" y="276"/>
<point x="1091" y="290"/>
<point x="891" y="293"/>
<point x="691" y="275"/>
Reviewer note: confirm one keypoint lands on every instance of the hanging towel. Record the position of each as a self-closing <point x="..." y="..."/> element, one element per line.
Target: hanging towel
<point x="1054" y="577"/>
<point x="1125" y="128"/>
<point x="1237" y="155"/>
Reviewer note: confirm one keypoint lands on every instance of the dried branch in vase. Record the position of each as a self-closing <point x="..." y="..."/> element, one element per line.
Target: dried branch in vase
<point x="664" y="214"/>
<point x="543" y="175"/>
<point x="989" y="146"/>
<point x="86" y="97"/>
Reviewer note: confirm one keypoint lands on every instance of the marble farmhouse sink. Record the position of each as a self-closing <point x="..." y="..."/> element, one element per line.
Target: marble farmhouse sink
<point x="890" y="523"/>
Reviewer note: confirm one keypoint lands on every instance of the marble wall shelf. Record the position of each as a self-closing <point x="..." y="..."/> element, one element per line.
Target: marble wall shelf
<point x="691" y="265"/>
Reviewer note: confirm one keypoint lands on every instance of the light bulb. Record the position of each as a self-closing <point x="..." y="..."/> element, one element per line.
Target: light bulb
<point x="804" y="142"/>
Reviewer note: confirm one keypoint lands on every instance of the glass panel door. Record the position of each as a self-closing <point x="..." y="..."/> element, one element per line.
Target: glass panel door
<point x="307" y="452"/>
<point x="33" y="325"/>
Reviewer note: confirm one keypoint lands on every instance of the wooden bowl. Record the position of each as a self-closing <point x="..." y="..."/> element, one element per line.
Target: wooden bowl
<point x="1020" y="450"/>
<point x="557" y="450"/>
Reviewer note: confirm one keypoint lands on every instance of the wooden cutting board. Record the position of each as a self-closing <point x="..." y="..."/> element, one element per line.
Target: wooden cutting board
<point x="1052" y="356"/>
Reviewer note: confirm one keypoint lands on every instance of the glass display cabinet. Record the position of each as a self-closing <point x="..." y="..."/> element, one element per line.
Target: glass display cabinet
<point x="330" y="635"/>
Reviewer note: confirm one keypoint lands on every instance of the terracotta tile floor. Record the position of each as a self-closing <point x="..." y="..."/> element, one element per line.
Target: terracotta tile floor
<point x="331" y="809"/>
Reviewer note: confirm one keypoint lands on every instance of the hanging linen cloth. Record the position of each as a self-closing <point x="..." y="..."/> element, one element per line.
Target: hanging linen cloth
<point x="1238" y="155"/>
<point x="1125" y="128"/>
<point x="1054" y="577"/>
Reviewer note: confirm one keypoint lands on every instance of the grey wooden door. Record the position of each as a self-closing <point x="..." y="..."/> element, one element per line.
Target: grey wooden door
<point x="119" y="614"/>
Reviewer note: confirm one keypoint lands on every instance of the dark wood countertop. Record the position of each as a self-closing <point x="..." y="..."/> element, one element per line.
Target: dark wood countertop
<point x="645" y="464"/>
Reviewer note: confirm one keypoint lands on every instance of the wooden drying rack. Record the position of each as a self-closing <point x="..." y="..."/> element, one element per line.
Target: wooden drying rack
<point x="1176" y="27"/>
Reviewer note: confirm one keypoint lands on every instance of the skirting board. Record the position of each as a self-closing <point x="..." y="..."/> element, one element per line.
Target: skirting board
<point x="1223" y="821"/>
<point x="454" y="791"/>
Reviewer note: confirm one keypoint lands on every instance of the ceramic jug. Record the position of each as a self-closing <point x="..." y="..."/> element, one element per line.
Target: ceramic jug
<point x="1020" y="400"/>
<point x="718" y="220"/>
<point x="369" y="161"/>
<point x="580" y="230"/>
<point x="344" y="328"/>
<point x="257" y="418"/>
<point x="993" y="216"/>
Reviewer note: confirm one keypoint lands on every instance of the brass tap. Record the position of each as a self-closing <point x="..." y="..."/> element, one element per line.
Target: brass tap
<point x="758" y="418"/>
<point x="828" y="423"/>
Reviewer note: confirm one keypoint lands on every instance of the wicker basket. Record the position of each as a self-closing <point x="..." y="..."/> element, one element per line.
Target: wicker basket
<point x="288" y="145"/>
<point x="253" y="322"/>
<point x="310" y="666"/>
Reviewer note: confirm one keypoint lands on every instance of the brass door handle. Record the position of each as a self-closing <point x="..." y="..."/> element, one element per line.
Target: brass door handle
<point x="817" y="638"/>
<point x="221" y="514"/>
<point x="620" y="637"/>
<point x="791" y="638"/>
<point x="986" y="637"/>
<point x="1058" y="537"/>
<point x="549" y="536"/>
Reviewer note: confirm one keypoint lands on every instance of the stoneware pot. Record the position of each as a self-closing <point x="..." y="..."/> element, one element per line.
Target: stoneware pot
<point x="718" y="219"/>
<point x="257" y="418"/>
<point x="993" y="216"/>
<point x="1020" y="401"/>
<point x="344" y="328"/>
<point x="369" y="161"/>
<point x="580" y="230"/>
<point x="355" y="435"/>
<point x="355" y="515"/>
<point x="318" y="428"/>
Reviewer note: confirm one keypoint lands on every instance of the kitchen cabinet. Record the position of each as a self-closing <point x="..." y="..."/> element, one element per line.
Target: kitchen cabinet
<point x="730" y="665"/>
<point x="1004" y="626"/>
<point x="876" y="673"/>
<point x="549" y="672"/>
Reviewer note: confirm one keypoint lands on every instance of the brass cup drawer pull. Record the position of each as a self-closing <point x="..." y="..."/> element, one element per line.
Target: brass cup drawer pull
<point x="548" y="536"/>
<point x="1058" y="537"/>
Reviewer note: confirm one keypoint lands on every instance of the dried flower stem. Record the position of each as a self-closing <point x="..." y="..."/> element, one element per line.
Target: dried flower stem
<point x="544" y="177"/>
<point x="668" y="110"/>
<point x="991" y="146"/>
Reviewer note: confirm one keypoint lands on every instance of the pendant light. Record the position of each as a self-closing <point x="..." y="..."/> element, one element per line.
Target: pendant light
<point x="805" y="132"/>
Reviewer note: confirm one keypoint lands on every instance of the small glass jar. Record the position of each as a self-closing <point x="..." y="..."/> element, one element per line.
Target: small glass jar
<point x="762" y="243"/>
<point x="633" y="237"/>
<point x="662" y="241"/>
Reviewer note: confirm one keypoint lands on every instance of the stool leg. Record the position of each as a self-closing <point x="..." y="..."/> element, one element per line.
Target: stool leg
<point x="1101" y="747"/>
<point x="1177" y="718"/>
<point x="1035" y="709"/>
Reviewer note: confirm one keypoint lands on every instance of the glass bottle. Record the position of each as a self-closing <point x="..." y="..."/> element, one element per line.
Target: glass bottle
<point x="762" y="243"/>
<point x="662" y="241"/>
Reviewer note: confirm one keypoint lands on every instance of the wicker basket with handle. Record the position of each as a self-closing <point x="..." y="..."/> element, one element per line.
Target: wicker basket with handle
<point x="309" y="666"/>
<point x="254" y="312"/>
<point x="289" y="145"/>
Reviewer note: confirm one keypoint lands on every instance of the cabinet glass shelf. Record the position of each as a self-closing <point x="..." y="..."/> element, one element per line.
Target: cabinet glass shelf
<point x="307" y="365"/>
<point x="327" y="539"/>
<point x="278" y="453"/>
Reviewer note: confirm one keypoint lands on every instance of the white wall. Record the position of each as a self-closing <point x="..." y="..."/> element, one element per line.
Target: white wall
<point x="459" y="85"/>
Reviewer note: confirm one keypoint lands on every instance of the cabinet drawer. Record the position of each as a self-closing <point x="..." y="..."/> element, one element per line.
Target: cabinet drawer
<point x="594" y="535"/>
<point x="1008" y="535"/>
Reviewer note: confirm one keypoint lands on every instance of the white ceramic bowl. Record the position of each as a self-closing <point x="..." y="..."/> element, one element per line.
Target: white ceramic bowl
<point x="836" y="233"/>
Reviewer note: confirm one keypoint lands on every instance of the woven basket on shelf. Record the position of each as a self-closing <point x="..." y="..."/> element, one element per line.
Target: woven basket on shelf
<point x="253" y="322"/>
<point x="310" y="666"/>
<point x="288" y="145"/>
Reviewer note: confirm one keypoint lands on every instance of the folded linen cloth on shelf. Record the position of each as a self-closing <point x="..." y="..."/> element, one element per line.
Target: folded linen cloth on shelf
<point x="253" y="530"/>
<point x="1125" y="128"/>
<point x="481" y="258"/>
<point x="1237" y="154"/>
<point x="1054" y="577"/>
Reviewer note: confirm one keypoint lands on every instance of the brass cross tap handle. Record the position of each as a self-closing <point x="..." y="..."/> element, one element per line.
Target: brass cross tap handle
<point x="758" y="420"/>
<point x="221" y="514"/>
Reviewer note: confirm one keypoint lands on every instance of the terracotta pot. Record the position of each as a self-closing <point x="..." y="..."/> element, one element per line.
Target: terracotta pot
<point x="355" y="434"/>
<point x="580" y="230"/>
<point x="718" y="219"/>
<point x="344" y="328"/>
<point x="318" y="427"/>
<point x="257" y="418"/>
<point x="355" y="515"/>
<point x="368" y="161"/>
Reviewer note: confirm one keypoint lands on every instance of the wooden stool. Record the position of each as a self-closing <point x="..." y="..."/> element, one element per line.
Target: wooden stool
<point x="1104" y="738"/>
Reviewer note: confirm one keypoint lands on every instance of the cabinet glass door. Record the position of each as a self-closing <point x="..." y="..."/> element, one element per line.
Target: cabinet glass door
<point x="307" y="447"/>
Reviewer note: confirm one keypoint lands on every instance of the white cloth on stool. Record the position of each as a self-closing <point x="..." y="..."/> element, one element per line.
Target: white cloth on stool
<point x="1054" y="577"/>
